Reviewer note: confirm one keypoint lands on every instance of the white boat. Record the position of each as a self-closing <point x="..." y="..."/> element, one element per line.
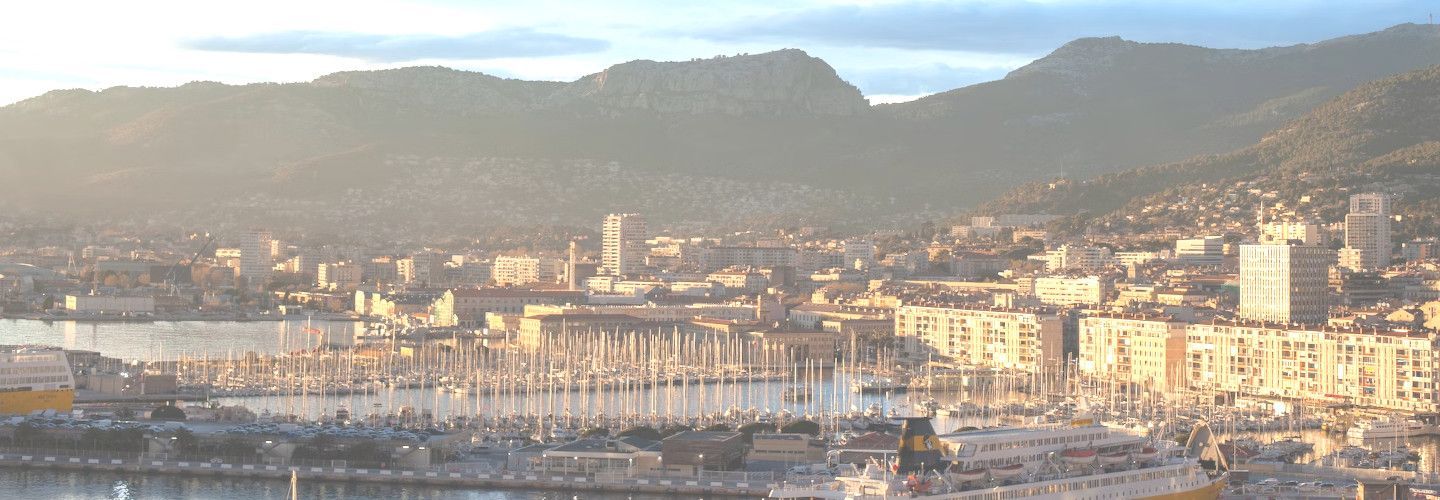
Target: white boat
<point x="1379" y="429"/>
<point x="997" y="463"/>
<point x="970" y="475"/>
<point x="1078" y="456"/>
<point x="1007" y="471"/>
<point x="1178" y="480"/>
<point x="1114" y="458"/>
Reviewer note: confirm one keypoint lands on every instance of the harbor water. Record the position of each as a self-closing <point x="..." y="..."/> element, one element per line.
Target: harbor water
<point x="55" y="484"/>
<point x="166" y="340"/>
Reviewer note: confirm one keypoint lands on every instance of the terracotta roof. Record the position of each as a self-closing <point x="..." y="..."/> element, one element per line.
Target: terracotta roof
<point x="872" y="441"/>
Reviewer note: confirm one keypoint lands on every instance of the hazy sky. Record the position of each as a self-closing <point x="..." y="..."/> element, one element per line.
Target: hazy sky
<point x="892" y="50"/>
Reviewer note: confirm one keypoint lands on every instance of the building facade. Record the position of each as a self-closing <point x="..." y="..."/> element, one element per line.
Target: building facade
<point x="255" y="260"/>
<point x="1070" y="291"/>
<point x="714" y="258"/>
<point x="623" y="244"/>
<point x="1202" y="251"/>
<point x="1285" y="283"/>
<point x="981" y="336"/>
<point x="1146" y="351"/>
<point x="1390" y="370"/>
<point x="1367" y="231"/>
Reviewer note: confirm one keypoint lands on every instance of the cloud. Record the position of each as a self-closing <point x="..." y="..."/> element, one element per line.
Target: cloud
<point x="1027" y="27"/>
<point x="495" y="44"/>
<point x="917" y="80"/>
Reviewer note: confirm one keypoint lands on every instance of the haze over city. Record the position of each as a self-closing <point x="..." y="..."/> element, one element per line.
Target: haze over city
<point x="816" y="249"/>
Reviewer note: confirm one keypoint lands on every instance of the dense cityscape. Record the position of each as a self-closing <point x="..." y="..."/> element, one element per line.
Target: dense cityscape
<point x="952" y="249"/>
<point x="1295" y="323"/>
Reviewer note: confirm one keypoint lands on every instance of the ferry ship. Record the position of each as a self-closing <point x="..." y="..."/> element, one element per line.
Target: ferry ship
<point x="34" y="380"/>
<point x="1083" y="460"/>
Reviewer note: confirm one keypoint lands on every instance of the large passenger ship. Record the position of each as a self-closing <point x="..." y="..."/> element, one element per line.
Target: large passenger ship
<point x="34" y="380"/>
<point x="1082" y="460"/>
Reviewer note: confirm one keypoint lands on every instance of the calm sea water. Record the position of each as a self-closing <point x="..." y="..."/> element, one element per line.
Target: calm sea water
<point x="75" y="485"/>
<point x="172" y="339"/>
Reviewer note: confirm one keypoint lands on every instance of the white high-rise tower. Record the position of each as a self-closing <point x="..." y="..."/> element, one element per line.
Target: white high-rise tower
<point x="255" y="261"/>
<point x="623" y="244"/>
<point x="1367" y="232"/>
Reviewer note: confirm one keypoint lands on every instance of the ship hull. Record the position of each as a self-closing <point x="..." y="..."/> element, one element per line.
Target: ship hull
<point x="25" y="402"/>
<point x="1208" y="492"/>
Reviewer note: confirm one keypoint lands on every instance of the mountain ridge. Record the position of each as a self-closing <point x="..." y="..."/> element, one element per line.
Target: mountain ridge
<point x="1383" y="135"/>
<point x="782" y="118"/>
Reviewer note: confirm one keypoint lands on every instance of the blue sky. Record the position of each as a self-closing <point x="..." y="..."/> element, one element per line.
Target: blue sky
<point x="893" y="50"/>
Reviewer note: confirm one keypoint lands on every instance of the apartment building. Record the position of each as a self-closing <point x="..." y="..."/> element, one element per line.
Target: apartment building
<point x="978" y="335"/>
<point x="1378" y="369"/>
<point x="1148" y="351"/>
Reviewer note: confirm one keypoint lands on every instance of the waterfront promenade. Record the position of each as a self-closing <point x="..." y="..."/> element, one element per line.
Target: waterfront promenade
<point x="474" y="480"/>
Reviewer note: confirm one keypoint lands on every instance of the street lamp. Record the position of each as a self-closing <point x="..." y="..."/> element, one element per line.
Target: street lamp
<point x="702" y="465"/>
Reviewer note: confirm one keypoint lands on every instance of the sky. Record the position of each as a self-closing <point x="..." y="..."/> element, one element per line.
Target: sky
<point x="893" y="50"/>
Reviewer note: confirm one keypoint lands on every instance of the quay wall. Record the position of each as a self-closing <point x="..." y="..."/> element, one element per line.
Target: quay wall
<point x="481" y="480"/>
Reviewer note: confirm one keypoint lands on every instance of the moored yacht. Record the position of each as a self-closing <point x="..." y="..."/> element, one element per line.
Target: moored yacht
<point x="1392" y="428"/>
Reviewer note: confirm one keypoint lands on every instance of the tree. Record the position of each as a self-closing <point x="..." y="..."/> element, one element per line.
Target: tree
<point x="718" y="428"/>
<point x="322" y="443"/>
<point x="753" y="428"/>
<point x="801" y="427"/>
<point x="364" y="452"/>
<point x="26" y="434"/>
<point x="671" y="430"/>
<point x="594" y="432"/>
<point x="125" y="413"/>
<point x="91" y="438"/>
<point x="236" y="446"/>
<point x="168" y="413"/>
<point x="643" y="431"/>
<point x="185" y="441"/>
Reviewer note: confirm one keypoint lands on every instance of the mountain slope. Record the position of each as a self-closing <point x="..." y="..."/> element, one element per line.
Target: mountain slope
<point x="779" y="125"/>
<point x="1103" y="105"/>
<point x="1384" y="135"/>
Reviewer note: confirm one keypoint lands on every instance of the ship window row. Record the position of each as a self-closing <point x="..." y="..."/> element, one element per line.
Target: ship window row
<point x="33" y="358"/>
<point x="32" y="380"/>
<point x="1026" y="443"/>
<point x="18" y="370"/>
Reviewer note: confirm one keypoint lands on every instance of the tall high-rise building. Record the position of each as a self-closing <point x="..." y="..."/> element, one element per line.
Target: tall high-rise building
<point x="1370" y="203"/>
<point x="623" y="244"/>
<point x="1285" y="283"/>
<point x="1367" y="232"/>
<point x="255" y="257"/>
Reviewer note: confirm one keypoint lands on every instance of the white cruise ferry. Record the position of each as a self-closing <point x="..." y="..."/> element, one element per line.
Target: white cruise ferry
<point x="1082" y="461"/>
<point x="35" y="380"/>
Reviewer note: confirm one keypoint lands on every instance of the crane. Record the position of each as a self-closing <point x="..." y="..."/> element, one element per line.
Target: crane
<point x="169" y="280"/>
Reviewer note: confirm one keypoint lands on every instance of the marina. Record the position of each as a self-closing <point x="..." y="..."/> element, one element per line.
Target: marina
<point x="488" y="403"/>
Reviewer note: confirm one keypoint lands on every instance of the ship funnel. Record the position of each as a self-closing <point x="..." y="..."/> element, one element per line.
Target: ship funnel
<point x="919" y="446"/>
